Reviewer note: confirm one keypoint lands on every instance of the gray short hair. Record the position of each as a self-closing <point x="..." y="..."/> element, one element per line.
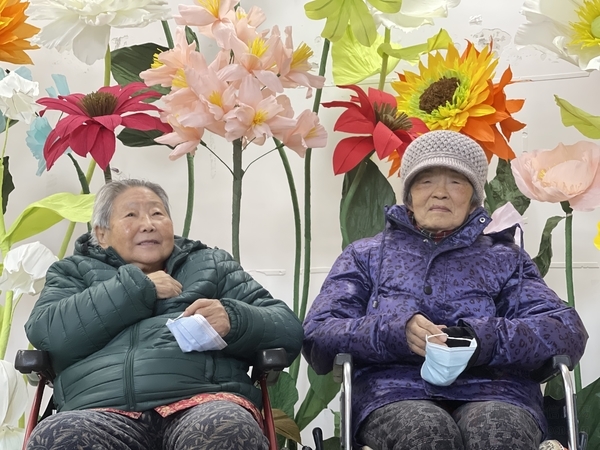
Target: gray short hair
<point x="110" y="191"/>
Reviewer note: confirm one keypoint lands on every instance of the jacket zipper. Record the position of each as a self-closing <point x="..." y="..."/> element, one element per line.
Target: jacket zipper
<point x="129" y="368"/>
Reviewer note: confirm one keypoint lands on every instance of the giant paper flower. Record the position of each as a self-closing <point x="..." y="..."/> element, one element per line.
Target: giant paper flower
<point x="84" y="26"/>
<point x="570" y="29"/>
<point x="13" y="401"/>
<point x="17" y="97"/>
<point x="413" y="13"/>
<point x="457" y="93"/>
<point x="566" y="173"/>
<point x="90" y="124"/>
<point x="374" y="115"/>
<point x="25" y="267"/>
<point x="14" y="32"/>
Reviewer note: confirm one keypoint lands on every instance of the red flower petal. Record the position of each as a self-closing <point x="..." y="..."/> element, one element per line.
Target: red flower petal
<point x="353" y="121"/>
<point x="84" y="138"/>
<point x="418" y="127"/>
<point x="380" y="97"/>
<point x="54" y="148"/>
<point x="351" y="151"/>
<point x="385" y="140"/>
<point x="109" y="122"/>
<point x="144" y="122"/>
<point x="64" y="104"/>
<point x="104" y="149"/>
<point x="365" y="105"/>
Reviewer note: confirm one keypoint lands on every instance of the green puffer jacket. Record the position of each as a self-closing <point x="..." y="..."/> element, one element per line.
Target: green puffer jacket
<point x="105" y="329"/>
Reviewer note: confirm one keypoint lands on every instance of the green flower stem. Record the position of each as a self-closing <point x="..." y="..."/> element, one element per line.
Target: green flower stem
<point x="190" y="197"/>
<point x="297" y="223"/>
<point x="168" y="35"/>
<point x="6" y="323"/>
<point x="71" y="227"/>
<point x="107" y="64"/>
<point x="349" y="196"/>
<point x="384" y="60"/>
<point x="569" y="273"/>
<point x="236" y="204"/>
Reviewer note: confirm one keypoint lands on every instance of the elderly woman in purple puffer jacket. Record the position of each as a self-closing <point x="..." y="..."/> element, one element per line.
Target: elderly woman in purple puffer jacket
<point x="431" y="281"/>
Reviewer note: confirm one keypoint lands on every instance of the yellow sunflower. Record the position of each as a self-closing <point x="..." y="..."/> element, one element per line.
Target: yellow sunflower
<point x="456" y="93"/>
<point x="14" y="32"/>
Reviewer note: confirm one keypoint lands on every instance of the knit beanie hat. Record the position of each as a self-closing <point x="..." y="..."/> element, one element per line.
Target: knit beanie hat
<point x="449" y="149"/>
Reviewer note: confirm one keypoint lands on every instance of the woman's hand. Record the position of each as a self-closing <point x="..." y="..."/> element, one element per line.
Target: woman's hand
<point x="166" y="286"/>
<point x="213" y="312"/>
<point x="417" y="328"/>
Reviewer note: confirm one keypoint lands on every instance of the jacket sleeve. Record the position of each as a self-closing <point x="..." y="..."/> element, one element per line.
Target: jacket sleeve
<point x="258" y="321"/>
<point x="532" y="324"/>
<point x="72" y="320"/>
<point x="337" y="320"/>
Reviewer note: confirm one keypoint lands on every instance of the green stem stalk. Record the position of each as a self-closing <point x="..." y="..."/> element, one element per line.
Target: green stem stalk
<point x="168" y="35"/>
<point x="189" y="211"/>
<point x="107" y="64"/>
<point x="569" y="274"/>
<point x="6" y="323"/>
<point x="384" y="60"/>
<point x="236" y="204"/>
<point x="348" y="200"/>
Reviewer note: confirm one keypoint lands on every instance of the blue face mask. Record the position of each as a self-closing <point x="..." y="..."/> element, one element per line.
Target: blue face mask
<point x="194" y="333"/>
<point x="444" y="364"/>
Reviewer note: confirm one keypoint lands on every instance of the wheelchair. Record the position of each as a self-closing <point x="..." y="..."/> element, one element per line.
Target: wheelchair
<point x="576" y="440"/>
<point x="38" y="368"/>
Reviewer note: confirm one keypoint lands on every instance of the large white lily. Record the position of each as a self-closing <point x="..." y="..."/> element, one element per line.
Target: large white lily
<point x="25" y="269"/>
<point x="568" y="28"/>
<point x="84" y="26"/>
<point x="414" y="13"/>
<point x="13" y="400"/>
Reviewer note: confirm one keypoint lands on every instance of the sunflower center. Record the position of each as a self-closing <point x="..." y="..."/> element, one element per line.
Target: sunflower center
<point x="389" y="116"/>
<point x="438" y="94"/>
<point x="99" y="104"/>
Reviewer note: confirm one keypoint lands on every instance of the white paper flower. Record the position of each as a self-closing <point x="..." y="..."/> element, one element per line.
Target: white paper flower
<point x="505" y="217"/>
<point x="414" y="13"/>
<point x="13" y="400"/>
<point x="25" y="269"/>
<point x="17" y="97"/>
<point x="84" y="25"/>
<point x="568" y="28"/>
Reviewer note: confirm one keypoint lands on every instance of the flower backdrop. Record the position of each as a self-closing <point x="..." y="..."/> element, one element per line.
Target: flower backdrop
<point x="216" y="80"/>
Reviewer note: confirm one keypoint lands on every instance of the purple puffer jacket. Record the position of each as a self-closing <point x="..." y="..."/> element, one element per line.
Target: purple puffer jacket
<point x="468" y="279"/>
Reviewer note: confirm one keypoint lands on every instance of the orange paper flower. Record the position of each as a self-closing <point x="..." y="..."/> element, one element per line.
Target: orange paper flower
<point x="457" y="93"/>
<point x="14" y="32"/>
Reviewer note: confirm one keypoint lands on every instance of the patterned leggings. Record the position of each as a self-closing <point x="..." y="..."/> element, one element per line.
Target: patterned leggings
<point x="217" y="425"/>
<point x="425" y="425"/>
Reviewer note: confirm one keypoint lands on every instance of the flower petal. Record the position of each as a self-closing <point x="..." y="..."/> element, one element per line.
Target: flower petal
<point x="349" y="152"/>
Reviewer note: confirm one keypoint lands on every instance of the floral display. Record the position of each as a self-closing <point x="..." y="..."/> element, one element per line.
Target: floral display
<point x="569" y="29"/>
<point x="84" y="26"/>
<point x="24" y="268"/>
<point x="456" y="93"/>
<point x="13" y="400"/>
<point x="374" y="114"/>
<point x="17" y="96"/>
<point x="15" y="32"/>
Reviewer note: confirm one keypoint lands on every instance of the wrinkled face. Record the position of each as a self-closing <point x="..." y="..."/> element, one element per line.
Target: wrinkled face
<point x="441" y="199"/>
<point x="140" y="230"/>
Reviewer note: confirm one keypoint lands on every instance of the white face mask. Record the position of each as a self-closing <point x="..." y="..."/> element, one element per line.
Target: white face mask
<point x="444" y="364"/>
<point x="194" y="333"/>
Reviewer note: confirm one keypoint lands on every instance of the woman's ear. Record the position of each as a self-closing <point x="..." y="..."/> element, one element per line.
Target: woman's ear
<point x="102" y="236"/>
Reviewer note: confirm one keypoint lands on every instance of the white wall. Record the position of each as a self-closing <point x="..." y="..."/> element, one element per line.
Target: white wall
<point x="267" y="228"/>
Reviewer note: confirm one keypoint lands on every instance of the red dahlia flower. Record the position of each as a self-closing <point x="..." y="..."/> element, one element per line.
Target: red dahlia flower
<point x="92" y="119"/>
<point x="376" y="116"/>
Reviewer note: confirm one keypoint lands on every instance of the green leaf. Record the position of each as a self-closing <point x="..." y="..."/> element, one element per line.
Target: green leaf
<point x="362" y="24"/>
<point x="387" y="6"/>
<point x="322" y="9"/>
<point x="333" y="443"/>
<point x="7" y="185"/>
<point x="284" y="395"/>
<point x="43" y="214"/>
<point x="191" y="37"/>
<point x="138" y="138"/>
<point x="503" y="189"/>
<point x="544" y="256"/>
<point x="365" y="214"/>
<point x="322" y="390"/>
<point x="572" y="116"/>
<point x="588" y="413"/>
<point x="413" y="53"/>
<point x="285" y="426"/>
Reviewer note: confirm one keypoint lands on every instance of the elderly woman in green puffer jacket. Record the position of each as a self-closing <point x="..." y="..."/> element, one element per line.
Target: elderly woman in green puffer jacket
<point x="123" y="381"/>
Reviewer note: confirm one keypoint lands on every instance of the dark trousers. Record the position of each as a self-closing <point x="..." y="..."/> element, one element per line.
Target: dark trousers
<point x="217" y="425"/>
<point x="426" y="425"/>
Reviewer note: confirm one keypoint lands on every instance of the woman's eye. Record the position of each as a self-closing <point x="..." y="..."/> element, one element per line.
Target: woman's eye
<point x="130" y="214"/>
<point x="157" y="213"/>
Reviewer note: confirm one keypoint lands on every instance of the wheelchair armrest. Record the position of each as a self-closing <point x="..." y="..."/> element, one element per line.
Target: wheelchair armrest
<point x="338" y="366"/>
<point x="550" y="368"/>
<point x="269" y="363"/>
<point x="35" y="361"/>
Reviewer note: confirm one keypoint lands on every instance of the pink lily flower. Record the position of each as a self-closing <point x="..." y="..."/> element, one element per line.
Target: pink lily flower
<point x="214" y="18"/>
<point x="255" y="115"/>
<point x="184" y="139"/>
<point x="246" y="23"/>
<point x="308" y="133"/>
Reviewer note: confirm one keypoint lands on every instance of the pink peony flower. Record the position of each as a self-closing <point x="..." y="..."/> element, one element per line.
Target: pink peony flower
<point x="566" y="173"/>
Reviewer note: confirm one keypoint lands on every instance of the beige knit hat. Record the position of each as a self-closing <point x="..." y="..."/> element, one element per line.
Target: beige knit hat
<point x="449" y="149"/>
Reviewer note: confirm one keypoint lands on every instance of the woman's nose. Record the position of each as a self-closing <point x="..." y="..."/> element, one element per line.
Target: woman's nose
<point x="147" y="224"/>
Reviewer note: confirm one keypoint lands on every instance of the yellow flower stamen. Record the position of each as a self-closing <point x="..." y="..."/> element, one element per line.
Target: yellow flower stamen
<point x="258" y="47"/>
<point x="260" y="117"/>
<point x="155" y="62"/>
<point x="179" y="80"/>
<point x="586" y="32"/>
<point x="301" y="55"/>
<point x="541" y="175"/>
<point x="216" y="99"/>
<point x="240" y="13"/>
<point x="212" y="6"/>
